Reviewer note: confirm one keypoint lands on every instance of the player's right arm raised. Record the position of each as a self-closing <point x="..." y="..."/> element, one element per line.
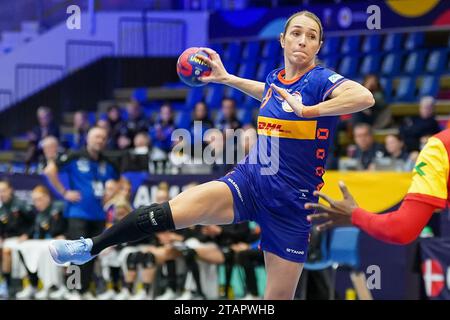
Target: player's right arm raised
<point x="219" y="74"/>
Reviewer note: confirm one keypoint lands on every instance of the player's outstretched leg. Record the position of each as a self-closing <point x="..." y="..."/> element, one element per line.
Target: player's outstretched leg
<point x="209" y="203"/>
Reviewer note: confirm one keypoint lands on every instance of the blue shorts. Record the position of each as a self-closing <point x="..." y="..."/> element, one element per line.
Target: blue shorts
<point x="284" y="229"/>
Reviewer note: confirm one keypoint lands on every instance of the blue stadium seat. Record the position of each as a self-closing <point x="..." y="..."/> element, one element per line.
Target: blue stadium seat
<point x="406" y="89"/>
<point x="251" y="103"/>
<point x="194" y="95"/>
<point x="391" y="64"/>
<point x="348" y="66"/>
<point x="264" y="68"/>
<point x="371" y="43"/>
<point x="330" y="46"/>
<point x="415" y="62"/>
<point x="351" y="45"/>
<point x="414" y="40"/>
<point x="330" y="62"/>
<point x="271" y="49"/>
<point x="429" y="86"/>
<point x="436" y="61"/>
<point x="218" y="47"/>
<point x="140" y="95"/>
<point x="183" y="119"/>
<point x="233" y="51"/>
<point x="386" y="84"/>
<point x="214" y="95"/>
<point x="251" y="51"/>
<point x="231" y="65"/>
<point x="247" y="69"/>
<point x="370" y="64"/>
<point x="393" y="42"/>
<point x="235" y="94"/>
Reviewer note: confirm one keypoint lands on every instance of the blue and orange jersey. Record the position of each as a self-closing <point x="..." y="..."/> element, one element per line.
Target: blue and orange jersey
<point x="303" y="143"/>
<point x="430" y="181"/>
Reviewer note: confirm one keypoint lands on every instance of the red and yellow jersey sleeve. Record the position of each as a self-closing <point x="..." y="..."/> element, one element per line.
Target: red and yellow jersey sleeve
<point x="430" y="177"/>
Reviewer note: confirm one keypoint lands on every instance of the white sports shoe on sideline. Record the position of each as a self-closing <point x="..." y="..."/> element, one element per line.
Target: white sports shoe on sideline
<point x="167" y="295"/>
<point x="26" y="294"/>
<point x="109" y="294"/>
<point x="58" y="294"/>
<point x="124" y="294"/>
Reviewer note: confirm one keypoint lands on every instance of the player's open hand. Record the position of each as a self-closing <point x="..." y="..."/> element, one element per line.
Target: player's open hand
<point x="296" y="105"/>
<point x="218" y="72"/>
<point x="339" y="213"/>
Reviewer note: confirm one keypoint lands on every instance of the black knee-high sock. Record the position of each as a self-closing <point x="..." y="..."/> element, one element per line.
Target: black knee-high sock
<point x="191" y="263"/>
<point x="172" y="275"/>
<point x="228" y="269"/>
<point x="147" y="287"/>
<point x="137" y="225"/>
<point x="7" y="276"/>
<point x="34" y="280"/>
<point x="115" y="277"/>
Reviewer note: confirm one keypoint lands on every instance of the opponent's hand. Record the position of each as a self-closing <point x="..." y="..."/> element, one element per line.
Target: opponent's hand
<point x="339" y="213"/>
<point x="218" y="72"/>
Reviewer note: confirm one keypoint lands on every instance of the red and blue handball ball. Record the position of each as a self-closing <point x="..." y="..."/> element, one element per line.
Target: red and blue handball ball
<point x="190" y="67"/>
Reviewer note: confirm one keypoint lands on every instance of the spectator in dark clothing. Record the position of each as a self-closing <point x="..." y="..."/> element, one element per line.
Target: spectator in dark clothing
<point x="373" y="115"/>
<point x="136" y="122"/>
<point x="80" y="129"/>
<point x="46" y="127"/>
<point x="115" y="121"/>
<point x="16" y="220"/>
<point x="49" y="224"/>
<point x="51" y="151"/>
<point x="227" y="119"/>
<point x="199" y="125"/>
<point x="413" y="128"/>
<point x="161" y="132"/>
<point x="367" y="150"/>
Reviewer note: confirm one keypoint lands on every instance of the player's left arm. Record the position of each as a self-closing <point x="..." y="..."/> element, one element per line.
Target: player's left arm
<point x="347" y="97"/>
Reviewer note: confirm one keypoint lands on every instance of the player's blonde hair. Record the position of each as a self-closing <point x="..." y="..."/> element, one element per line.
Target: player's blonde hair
<point x="308" y="14"/>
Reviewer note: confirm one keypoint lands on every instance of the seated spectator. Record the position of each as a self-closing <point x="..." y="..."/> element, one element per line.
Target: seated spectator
<point x="51" y="152"/>
<point x="248" y="256"/>
<point x="80" y="129"/>
<point x="103" y="123"/>
<point x="161" y="132"/>
<point x="227" y="119"/>
<point x="413" y="128"/>
<point x="200" y="114"/>
<point x="16" y="221"/>
<point x="379" y="115"/>
<point x="49" y="224"/>
<point x="136" y="122"/>
<point x="396" y="158"/>
<point x="367" y="150"/>
<point x="115" y="121"/>
<point x="137" y="158"/>
<point x="46" y="127"/>
<point x="110" y="258"/>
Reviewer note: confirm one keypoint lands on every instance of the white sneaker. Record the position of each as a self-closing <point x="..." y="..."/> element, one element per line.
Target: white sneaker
<point x="168" y="295"/>
<point x="249" y="296"/>
<point x="141" y="295"/>
<point x="124" y="294"/>
<point x="88" y="296"/>
<point x="187" y="295"/>
<point x="58" y="294"/>
<point x="26" y="294"/>
<point x="42" y="295"/>
<point x="107" y="295"/>
<point x="72" y="295"/>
